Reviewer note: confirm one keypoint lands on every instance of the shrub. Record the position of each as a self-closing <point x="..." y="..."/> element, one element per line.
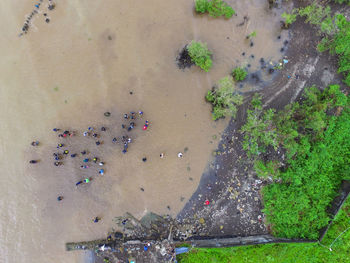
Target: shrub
<point x="201" y="6"/>
<point x="200" y="55"/>
<point x="215" y="8"/>
<point x="259" y="130"/>
<point x="289" y="18"/>
<point x="251" y="35"/>
<point x="218" y="8"/>
<point x="315" y="13"/>
<point x="224" y="99"/>
<point x="228" y="11"/>
<point x="239" y="74"/>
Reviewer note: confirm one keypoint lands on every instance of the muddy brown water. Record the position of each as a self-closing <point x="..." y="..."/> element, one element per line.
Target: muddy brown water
<point x="85" y="61"/>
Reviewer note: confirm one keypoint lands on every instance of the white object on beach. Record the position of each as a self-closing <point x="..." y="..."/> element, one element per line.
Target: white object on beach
<point x="179" y="155"/>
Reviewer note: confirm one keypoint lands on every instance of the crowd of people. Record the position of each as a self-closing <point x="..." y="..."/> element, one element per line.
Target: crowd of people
<point x="51" y="5"/>
<point x="90" y="160"/>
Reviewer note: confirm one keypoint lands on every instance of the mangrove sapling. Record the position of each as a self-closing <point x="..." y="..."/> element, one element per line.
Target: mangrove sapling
<point x="224" y="99"/>
<point x="289" y="18"/>
<point x="201" y="6"/>
<point x="239" y="74"/>
<point x="215" y="8"/>
<point x="200" y="55"/>
<point x="251" y="35"/>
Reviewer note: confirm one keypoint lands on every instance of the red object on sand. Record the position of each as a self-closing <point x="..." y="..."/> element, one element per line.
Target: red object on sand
<point x="206" y="202"/>
<point x="144" y="127"/>
<point x="64" y="135"/>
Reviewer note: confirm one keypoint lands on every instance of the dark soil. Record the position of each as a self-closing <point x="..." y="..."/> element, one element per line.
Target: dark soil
<point x="184" y="60"/>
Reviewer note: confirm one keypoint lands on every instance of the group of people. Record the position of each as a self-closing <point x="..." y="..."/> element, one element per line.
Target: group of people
<point x="25" y="28"/>
<point x="63" y="152"/>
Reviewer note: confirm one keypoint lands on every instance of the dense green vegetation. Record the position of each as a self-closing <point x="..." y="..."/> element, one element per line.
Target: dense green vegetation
<point x="334" y="248"/>
<point x="200" y="55"/>
<point x="224" y="99"/>
<point x="336" y="31"/>
<point x="315" y="137"/>
<point x="342" y="1"/>
<point x="239" y="74"/>
<point x="215" y="8"/>
<point x="259" y="129"/>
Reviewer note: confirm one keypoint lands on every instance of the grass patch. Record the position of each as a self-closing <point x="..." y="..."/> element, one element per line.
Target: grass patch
<point x="284" y="253"/>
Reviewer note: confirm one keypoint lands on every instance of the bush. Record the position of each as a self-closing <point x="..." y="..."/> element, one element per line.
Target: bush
<point x="215" y="8"/>
<point x="251" y="35"/>
<point x="224" y="99"/>
<point x="315" y="13"/>
<point x="259" y="129"/>
<point x="289" y="18"/>
<point x="200" y="55"/>
<point x="201" y="6"/>
<point x="317" y="144"/>
<point x="239" y="74"/>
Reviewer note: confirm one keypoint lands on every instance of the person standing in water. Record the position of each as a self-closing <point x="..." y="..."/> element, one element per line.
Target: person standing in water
<point x="35" y="143"/>
<point x="96" y="219"/>
<point x="86" y="180"/>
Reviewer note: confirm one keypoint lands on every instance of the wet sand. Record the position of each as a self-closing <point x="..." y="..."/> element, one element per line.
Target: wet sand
<point x="68" y="72"/>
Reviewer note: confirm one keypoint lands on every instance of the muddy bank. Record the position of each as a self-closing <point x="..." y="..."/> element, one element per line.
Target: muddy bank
<point x="230" y="183"/>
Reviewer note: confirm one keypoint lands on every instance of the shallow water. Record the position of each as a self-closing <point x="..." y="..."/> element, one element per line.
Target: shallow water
<point x="68" y="72"/>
